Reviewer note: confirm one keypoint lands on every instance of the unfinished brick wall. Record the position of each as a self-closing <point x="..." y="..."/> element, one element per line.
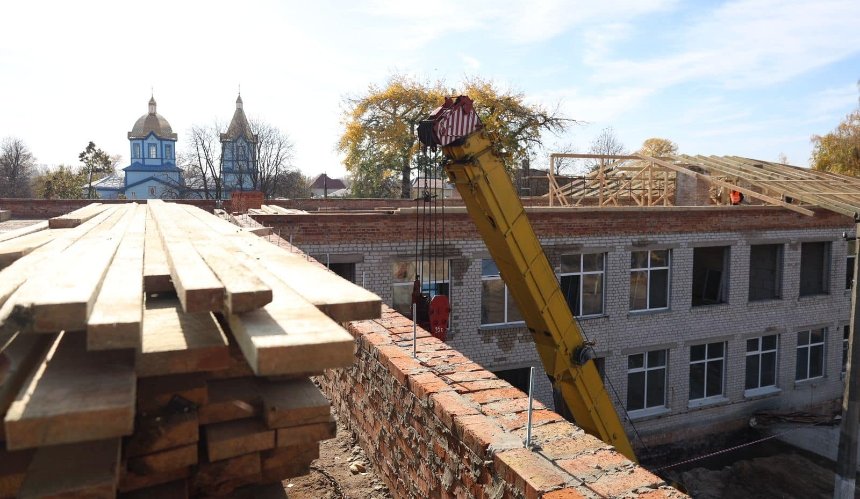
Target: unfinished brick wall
<point x="440" y="425"/>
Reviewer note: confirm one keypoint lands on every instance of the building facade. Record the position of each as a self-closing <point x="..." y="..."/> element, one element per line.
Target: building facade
<point x="701" y="316"/>
<point x="239" y="154"/>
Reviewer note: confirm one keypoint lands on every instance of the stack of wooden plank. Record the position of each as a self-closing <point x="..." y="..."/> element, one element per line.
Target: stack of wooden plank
<point x="158" y="351"/>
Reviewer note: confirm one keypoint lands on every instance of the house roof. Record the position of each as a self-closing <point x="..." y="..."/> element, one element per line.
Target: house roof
<point x="323" y="181"/>
<point x="140" y="167"/>
<point x="114" y="181"/>
<point x="152" y="122"/>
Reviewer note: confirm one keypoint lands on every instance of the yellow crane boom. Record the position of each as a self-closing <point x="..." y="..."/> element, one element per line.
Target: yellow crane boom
<point x="500" y="217"/>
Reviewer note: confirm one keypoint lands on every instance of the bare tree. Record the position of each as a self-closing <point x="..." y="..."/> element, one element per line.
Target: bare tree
<point x="202" y="160"/>
<point x="274" y="153"/>
<point x="607" y="144"/>
<point x="17" y="167"/>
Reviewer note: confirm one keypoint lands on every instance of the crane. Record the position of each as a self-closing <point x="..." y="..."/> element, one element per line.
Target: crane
<point x="492" y="203"/>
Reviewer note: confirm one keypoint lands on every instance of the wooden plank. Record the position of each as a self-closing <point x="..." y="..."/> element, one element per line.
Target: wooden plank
<point x="14" y="249"/>
<point x="23" y="231"/>
<point x="13" y="469"/>
<point x="88" y="469"/>
<point x="160" y="431"/>
<point x="73" y="396"/>
<point x="5" y="215"/>
<point x="117" y="316"/>
<point x="22" y="356"/>
<point x="222" y="477"/>
<point x="155" y="393"/>
<point x="76" y="217"/>
<point x="129" y="481"/>
<point x="61" y="296"/>
<point x="235" y="438"/>
<point x="176" y="342"/>
<point x="338" y="298"/>
<point x="293" y="403"/>
<point x="231" y="399"/>
<point x="284" y="456"/>
<point x="165" y="460"/>
<point x="198" y="288"/>
<point x="156" y="271"/>
<point x="177" y="489"/>
<point x="244" y="291"/>
<point x="305" y="434"/>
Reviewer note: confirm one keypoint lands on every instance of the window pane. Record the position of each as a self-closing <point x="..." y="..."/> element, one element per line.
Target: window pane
<point x="816" y="361"/>
<point x="513" y="312"/>
<point x="813" y="268"/>
<point x="639" y="260"/>
<point x="402" y="299"/>
<point x="660" y="258"/>
<point x="768" y="369"/>
<point x="638" y="290"/>
<point x="715" y="378"/>
<point x="657" y="358"/>
<point x="697" y="381"/>
<point x="803" y="338"/>
<point x="817" y="336"/>
<point x="659" y="291"/>
<point x="802" y="368"/>
<point x="656" y="388"/>
<point x="592" y="294"/>
<point x="492" y="301"/>
<point x="768" y="342"/>
<point x="715" y="350"/>
<point x="592" y="262"/>
<point x="570" y="263"/>
<point x="570" y="289"/>
<point x="488" y="267"/>
<point x="752" y="345"/>
<point x="752" y="372"/>
<point x="635" y="361"/>
<point x="635" y="391"/>
<point x="849" y="271"/>
<point x="697" y="352"/>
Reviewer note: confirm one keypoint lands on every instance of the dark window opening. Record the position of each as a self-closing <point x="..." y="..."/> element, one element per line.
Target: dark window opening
<point x="518" y="378"/>
<point x="765" y="272"/>
<point x="710" y="275"/>
<point x="814" y="268"/>
<point x="345" y="270"/>
<point x="849" y="264"/>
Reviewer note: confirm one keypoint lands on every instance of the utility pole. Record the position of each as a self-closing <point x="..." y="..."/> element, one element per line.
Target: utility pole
<point x="846" y="456"/>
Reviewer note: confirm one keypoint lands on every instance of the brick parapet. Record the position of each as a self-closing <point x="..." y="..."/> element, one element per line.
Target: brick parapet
<point x="439" y="425"/>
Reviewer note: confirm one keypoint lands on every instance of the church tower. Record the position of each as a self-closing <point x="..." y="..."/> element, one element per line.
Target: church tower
<point x="153" y="172"/>
<point x="239" y="154"/>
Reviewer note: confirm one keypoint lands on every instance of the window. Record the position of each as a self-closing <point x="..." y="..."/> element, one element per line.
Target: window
<point x="846" y="335"/>
<point x="241" y="152"/>
<point x="710" y="275"/>
<point x="168" y="151"/>
<point x="518" y="378"/>
<point x="761" y="362"/>
<point x="765" y="272"/>
<point x="646" y="380"/>
<point x="153" y="151"/>
<point x="135" y="151"/>
<point x="497" y="304"/>
<point x="581" y="281"/>
<point x="814" y="268"/>
<point x="434" y="277"/>
<point x="346" y="270"/>
<point x="707" y="364"/>
<point x="810" y="354"/>
<point x="152" y="190"/>
<point x="649" y="279"/>
<point x="849" y="264"/>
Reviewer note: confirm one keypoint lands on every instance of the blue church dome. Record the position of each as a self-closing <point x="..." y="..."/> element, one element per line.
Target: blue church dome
<point x="151" y="122"/>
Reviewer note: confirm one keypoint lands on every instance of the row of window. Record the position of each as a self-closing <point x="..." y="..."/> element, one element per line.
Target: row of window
<point x="646" y="371"/>
<point x="152" y="151"/>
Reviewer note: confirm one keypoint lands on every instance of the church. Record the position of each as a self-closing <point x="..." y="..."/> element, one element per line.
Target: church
<point x="153" y="173"/>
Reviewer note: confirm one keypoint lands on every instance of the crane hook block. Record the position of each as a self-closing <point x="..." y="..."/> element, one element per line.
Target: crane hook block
<point x="440" y="309"/>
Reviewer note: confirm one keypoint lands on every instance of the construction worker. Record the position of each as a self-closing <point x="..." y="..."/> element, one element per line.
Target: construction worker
<point x="736" y="197"/>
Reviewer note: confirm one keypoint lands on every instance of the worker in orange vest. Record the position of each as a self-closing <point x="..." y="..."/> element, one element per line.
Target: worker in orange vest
<point x="736" y="197"/>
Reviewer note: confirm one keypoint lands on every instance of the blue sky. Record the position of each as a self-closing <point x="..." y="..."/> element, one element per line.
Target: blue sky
<point x="748" y="78"/>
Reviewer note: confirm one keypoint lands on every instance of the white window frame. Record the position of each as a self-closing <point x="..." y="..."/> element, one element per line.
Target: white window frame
<point x="152" y="151"/>
<point x="646" y="369"/>
<point x="808" y="347"/>
<point x="135" y="151"/>
<point x="760" y="389"/>
<point x="582" y="273"/>
<point x="507" y="295"/>
<point x="706" y="397"/>
<point x="168" y="151"/>
<point x="648" y="270"/>
<point x="152" y="191"/>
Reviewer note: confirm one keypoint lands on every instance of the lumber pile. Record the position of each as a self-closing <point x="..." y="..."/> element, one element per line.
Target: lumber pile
<point x="158" y="351"/>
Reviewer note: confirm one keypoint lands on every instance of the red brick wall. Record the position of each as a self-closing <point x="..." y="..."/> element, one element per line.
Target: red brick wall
<point x="344" y="227"/>
<point x="442" y="426"/>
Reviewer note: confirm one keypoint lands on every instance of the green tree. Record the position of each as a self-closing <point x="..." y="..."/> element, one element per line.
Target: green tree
<point x="380" y="139"/>
<point x="62" y="183"/>
<point x="839" y="150"/>
<point x="17" y="167"/>
<point x="96" y="162"/>
<point x="657" y="147"/>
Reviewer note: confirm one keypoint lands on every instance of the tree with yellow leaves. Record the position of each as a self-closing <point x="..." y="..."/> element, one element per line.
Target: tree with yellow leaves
<point x="657" y="147"/>
<point x="839" y="150"/>
<point x="380" y="138"/>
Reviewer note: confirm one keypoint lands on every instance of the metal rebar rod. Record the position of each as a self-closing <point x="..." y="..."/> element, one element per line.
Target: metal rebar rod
<point x="414" y="329"/>
<point x="528" y="441"/>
